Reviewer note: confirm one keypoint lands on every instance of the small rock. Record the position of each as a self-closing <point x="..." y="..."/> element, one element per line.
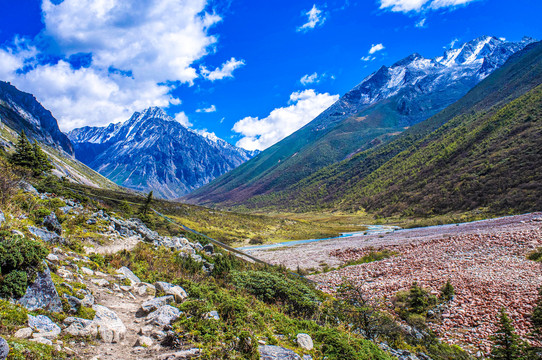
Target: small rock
<point x="27" y="188"/>
<point x="51" y="223"/>
<point x="125" y="288"/>
<point x="52" y="257"/>
<point x="209" y="248"/>
<point x="305" y="341"/>
<point x="45" y="235"/>
<point x="42" y="340"/>
<point x="163" y="316"/>
<point x="100" y="282"/>
<point x="91" y="221"/>
<point x="129" y="274"/>
<point x="110" y="326"/>
<point x="166" y="288"/>
<point x="183" y="354"/>
<point x="80" y="327"/>
<point x="4" y="349"/>
<point x="88" y="298"/>
<point x="272" y="352"/>
<point x="75" y="303"/>
<point x="44" y="326"/>
<point x="2" y="218"/>
<point x="212" y="315"/>
<point x="87" y="271"/>
<point x="23" y="333"/>
<point x="144" y="341"/>
<point x="17" y="233"/>
<point x="154" y="304"/>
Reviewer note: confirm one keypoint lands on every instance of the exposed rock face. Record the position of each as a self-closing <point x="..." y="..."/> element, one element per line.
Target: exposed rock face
<point x="45" y="235"/>
<point x="110" y="326"/>
<point x="42" y="294"/>
<point x="21" y="111"/>
<point x="4" y="349"/>
<point x="272" y="352"/>
<point x="152" y="151"/>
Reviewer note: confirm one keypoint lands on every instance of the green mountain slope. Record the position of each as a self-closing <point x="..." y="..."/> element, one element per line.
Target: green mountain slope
<point x="484" y="150"/>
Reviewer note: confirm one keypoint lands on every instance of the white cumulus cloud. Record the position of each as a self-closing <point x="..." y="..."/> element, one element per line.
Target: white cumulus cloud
<point x="136" y="53"/>
<point x="315" y="17"/>
<point x="225" y="71"/>
<point x="209" y="109"/>
<point x="309" y="79"/>
<point x="305" y="105"/>
<point x="375" y="48"/>
<point x="420" y="5"/>
<point x="183" y="119"/>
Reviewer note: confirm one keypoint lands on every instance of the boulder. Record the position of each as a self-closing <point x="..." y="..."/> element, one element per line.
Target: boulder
<point x="81" y="327"/>
<point x="45" y="235"/>
<point x="88" y="298"/>
<point x="168" y="289"/>
<point x="43" y="326"/>
<point x="272" y="352"/>
<point x="154" y="304"/>
<point x="42" y="294"/>
<point x="163" y="316"/>
<point x="305" y="341"/>
<point x="129" y="274"/>
<point x="4" y="349"/>
<point x="75" y="303"/>
<point x="110" y="326"/>
<point x="51" y="223"/>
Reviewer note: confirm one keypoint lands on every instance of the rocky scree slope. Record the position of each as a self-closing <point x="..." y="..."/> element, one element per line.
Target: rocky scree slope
<point x="375" y="111"/>
<point x="152" y="151"/>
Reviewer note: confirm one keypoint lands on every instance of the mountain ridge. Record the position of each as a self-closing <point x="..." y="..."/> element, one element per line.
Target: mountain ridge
<point x="374" y="111"/>
<point x="152" y="151"/>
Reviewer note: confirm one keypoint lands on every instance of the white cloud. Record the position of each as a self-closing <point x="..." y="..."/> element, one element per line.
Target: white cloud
<point x="421" y="23"/>
<point x="315" y="17"/>
<point x="452" y="43"/>
<point x="222" y="72"/>
<point x="420" y="5"/>
<point x="309" y="79"/>
<point x="367" y="58"/>
<point x="305" y="105"/>
<point x="209" y="109"/>
<point x="375" y="48"/>
<point x="183" y="119"/>
<point x="138" y="50"/>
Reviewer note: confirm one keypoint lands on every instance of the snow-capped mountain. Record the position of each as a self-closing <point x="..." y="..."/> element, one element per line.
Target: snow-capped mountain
<point x="21" y="111"/>
<point x="445" y="78"/>
<point x="152" y="151"/>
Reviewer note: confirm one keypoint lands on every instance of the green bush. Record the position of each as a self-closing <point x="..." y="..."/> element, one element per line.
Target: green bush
<point x="12" y="316"/>
<point x="275" y="288"/>
<point x="536" y="255"/>
<point x="20" y="260"/>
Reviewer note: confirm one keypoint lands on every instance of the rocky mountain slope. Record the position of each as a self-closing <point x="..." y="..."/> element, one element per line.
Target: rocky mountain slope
<point x="378" y="109"/>
<point x="21" y="111"/>
<point x="152" y="151"/>
<point x="483" y="151"/>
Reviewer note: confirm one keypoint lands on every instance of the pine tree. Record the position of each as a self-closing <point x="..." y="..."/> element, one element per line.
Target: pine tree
<point x="146" y="206"/>
<point x="30" y="156"/>
<point x="447" y="291"/>
<point x="41" y="161"/>
<point x="507" y="345"/>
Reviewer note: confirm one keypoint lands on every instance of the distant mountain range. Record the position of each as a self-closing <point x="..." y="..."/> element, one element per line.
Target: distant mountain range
<point x="373" y="113"/>
<point x="152" y="151"/>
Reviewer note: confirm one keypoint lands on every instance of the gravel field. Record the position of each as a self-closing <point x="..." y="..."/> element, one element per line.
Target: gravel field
<point x="485" y="260"/>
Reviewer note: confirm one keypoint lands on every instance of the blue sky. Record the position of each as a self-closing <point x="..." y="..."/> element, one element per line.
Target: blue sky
<point x="249" y="71"/>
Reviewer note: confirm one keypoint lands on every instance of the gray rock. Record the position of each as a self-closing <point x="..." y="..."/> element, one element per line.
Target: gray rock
<point x="75" y="303"/>
<point x="91" y="221"/>
<point x="80" y="327"/>
<point x="23" y="333"/>
<point x="307" y="357"/>
<point x="110" y="326"/>
<point x="66" y="209"/>
<point x="44" y="326"/>
<point x="45" y="235"/>
<point x="4" y="349"/>
<point x="2" y="218"/>
<point x="87" y="271"/>
<point x="17" y="233"/>
<point x="212" y="315"/>
<point x="154" y="304"/>
<point x="52" y="257"/>
<point x="272" y="352"/>
<point x="42" y="294"/>
<point x="129" y="274"/>
<point x="144" y="341"/>
<point x="52" y="223"/>
<point x="163" y="316"/>
<point x="88" y="298"/>
<point x="179" y="355"/>
<point x="100" y="282"/>
<point x="168" y="289"/>
<point x="305" y="341"/>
